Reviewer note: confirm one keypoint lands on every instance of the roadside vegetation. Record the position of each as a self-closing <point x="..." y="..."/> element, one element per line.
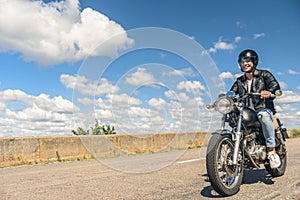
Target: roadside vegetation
<point x="104" y="129"/>
<point x="294" y="133"/>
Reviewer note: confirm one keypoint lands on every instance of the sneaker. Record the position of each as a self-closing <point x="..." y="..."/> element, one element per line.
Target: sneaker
<point x="274" y="160"/>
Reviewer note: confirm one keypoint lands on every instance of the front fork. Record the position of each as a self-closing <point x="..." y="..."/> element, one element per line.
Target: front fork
<point x="237" y="137"/>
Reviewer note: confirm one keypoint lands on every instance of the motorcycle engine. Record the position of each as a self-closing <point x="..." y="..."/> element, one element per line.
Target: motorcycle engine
<point x="256" y="150"/>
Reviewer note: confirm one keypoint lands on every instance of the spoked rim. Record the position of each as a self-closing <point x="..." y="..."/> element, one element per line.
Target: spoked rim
<point x="227" y="172"/>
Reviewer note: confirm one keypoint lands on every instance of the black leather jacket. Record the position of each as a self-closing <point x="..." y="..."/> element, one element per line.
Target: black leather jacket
<point x="262" y="80"/>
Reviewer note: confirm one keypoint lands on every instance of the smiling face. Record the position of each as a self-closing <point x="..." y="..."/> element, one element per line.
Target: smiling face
<point x="246" y="64"/>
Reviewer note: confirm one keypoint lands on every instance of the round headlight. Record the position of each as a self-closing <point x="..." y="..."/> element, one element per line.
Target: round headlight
<point x="224" y="105"/>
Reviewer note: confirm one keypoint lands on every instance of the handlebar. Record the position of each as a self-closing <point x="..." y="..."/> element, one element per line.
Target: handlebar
<point x="259" y="94"/>
<point x="277" y="93"/>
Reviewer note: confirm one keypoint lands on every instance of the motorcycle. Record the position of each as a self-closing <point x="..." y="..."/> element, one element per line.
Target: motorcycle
<point x="240" y="144"/>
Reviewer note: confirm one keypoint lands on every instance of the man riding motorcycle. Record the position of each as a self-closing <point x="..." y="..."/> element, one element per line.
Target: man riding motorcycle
<point x="259" y="81"/>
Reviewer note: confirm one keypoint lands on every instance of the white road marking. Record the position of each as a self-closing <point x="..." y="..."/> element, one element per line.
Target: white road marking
<point x="188" y="161"/>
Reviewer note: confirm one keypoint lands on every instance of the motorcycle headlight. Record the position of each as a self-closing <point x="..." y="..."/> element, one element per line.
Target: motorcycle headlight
<point x="224" y="105"/>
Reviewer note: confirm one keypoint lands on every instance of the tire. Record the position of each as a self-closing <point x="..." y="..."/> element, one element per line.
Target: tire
<point x="281" y="151"/>
<point x="224" y="177"/>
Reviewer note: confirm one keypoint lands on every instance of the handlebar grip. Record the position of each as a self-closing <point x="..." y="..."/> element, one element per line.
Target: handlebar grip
<point x="259" y="94"/>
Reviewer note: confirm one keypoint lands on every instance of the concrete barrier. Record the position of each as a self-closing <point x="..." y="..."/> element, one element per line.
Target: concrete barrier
<point x="31" y="150"/>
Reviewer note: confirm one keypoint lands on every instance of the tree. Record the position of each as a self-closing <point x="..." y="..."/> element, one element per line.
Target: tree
<point x="80" y="131"/>
<point x="107" y="129"/>
<point x="96" y="130"/>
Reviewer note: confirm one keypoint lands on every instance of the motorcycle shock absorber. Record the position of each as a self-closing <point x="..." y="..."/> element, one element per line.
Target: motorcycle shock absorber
<point x="282" y="130"/>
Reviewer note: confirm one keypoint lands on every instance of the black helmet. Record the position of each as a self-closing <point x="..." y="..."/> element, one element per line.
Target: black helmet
<point x="248" y="53"/>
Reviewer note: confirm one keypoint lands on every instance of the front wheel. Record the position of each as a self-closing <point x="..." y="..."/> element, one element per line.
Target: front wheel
<point x="225" y="177"/>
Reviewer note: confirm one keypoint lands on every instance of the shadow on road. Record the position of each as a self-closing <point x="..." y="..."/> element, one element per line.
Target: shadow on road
<point x="208" y="191"/>
<point x="250" y="177"/>
<point x="257" y="176"/>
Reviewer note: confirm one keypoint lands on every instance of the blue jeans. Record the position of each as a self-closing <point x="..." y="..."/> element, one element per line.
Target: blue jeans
<point x="265" y="116"/>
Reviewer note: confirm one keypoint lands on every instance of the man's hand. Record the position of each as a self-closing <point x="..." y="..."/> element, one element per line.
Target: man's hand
<point x="265" y="94"/>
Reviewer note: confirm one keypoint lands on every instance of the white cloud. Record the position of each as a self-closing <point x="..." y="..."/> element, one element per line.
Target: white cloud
<point x="278" y="108"/>
<point x="177" y="112"/>
<point x="88" y="87"/>
<point x="258" y="35"/>
<point x="6" y="123"/>
<point x="139" y="112"/>
<point x="176" y="96"/>
<point x="86" y="101"/>
<point x="226" y="75"/>
<point x="140" y="77"/>
<point x="293" y="72"/>
<point x="157" y="103"/>
<point x="104" y="114"/>
<point x="191" y="86"/>
<point x="288" y="97"/>
<point x="129" y="115"/>
<point x="57" y="32"/>
<point x="286" y="108"/>
<point x="181" y="72"/>
<point x="224" y="46"/>
<point x="35" y="113"/>
<point x="14" y="95"/>
<point x="122" y="100"/>
<point x="2" y="106"/>
<point x="280" y="73"/>
<point x="196" y="102"/>
<point x="237" y="39"/>
<point x="288" y="111"/>
<point x="221" y="45"/>
<point x="57" y="104"/>
<point x="240" y="24"/>
<point x="283" y="85"/>
<point x="25" y="114"/>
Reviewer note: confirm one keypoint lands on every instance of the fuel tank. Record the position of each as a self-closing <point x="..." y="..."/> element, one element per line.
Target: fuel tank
<point x="250" y="118"/>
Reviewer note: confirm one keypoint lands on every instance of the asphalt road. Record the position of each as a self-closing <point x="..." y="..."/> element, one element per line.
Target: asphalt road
<point x="172" y="175"/>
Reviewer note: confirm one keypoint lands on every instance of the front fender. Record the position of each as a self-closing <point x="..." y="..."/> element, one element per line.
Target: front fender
<point x="223" y="132"/>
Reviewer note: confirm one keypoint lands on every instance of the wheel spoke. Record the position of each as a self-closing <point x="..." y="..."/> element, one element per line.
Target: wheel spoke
<point x="227" y="172"/>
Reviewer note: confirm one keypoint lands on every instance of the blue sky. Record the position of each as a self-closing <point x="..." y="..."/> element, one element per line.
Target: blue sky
<point x="65" y="63"/>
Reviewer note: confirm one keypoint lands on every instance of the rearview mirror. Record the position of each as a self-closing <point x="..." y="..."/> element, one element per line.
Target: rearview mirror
<point x="230" y="94"/>
<point x="278" y="93"/>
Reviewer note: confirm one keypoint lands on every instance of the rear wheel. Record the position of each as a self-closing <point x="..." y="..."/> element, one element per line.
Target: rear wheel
<point x="281" y="151"/>
<point x="225" y="177"/>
